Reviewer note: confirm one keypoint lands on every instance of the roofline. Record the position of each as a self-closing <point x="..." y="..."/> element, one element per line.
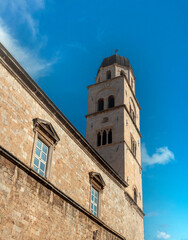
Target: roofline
<point x="16" y="70"/>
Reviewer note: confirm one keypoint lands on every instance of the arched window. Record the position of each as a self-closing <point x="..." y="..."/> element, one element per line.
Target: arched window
<point x="100" y="104"/>
<point x="108" y="74"/>
<point x="135" y="195"/>
<point x="110" y="136"/>
<point x="111" y="101"/>
<point x="98" y="139"/>
<point x="132" y="110"/>
<point x="122" y="73"/>
<point x="104" y="137"/>
<point x="133" y="146"/>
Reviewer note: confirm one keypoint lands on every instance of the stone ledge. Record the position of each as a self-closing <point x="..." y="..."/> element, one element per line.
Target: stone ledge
<point x="132" y="202"/>
<point x="55" y="190"/>
<point x="114" y="108"/>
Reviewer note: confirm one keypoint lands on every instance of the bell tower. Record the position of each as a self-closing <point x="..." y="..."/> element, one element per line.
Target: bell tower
<point x="113" y="121"/>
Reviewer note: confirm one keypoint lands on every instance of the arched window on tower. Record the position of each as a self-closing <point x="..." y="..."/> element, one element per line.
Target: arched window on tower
<point x="111" y="101"/>
<point x="100" y="104"/>
<point x="122" y="73"/>
<point x="110" y="136"/>
<point x="132" y="110"/>
<point x="108" y="74"/>
<point x="135" y="195"/>
<point x="133" y="146"/>
<point x="98" y="139"/>
<point x="104" y="138"/>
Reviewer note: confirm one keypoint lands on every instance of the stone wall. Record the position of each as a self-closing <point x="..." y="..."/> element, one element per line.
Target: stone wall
<point x="31" y="209"/>
<point x="71" y="164"/>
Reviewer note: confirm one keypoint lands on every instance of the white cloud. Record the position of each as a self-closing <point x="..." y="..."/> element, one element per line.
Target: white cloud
<point x="163" y="235"/>
<point x="29" y="59"/>
<point x="162" y="156"/>
<point x="23" y="10"/>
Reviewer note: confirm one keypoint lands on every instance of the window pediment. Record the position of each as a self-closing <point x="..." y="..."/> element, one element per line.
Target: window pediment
<point x="97" y="180"/>
<point x="47" y="128"/>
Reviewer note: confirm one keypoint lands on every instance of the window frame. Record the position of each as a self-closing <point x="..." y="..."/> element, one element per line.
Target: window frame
<point x="100" y="105"/>
<point x="111" y="101"/>
<point x="97" y="183"/>
<point x="104" y="133"/>
<point x="108" y="74"/>
<point x="39" y="157"/>
<point x="93" y="191"/>
<point x="45" y="132"/>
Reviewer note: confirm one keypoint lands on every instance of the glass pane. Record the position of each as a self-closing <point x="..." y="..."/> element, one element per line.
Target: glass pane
<point x="39" y="143"/>
<point x="92" y="206"/>
<point x="92" y="190"/>
<point x="95" y="208"/>
<point x="43" y="157"/>
<point x="36" y="162"/>
<point x="95" y="200"/>
<point x="96" y="193"/>
<point x="42" y="166"/>
<point x="35" y="168"/>
<point x="45" y="148"/>
<point x="41" y="173"/>
<point x="92" y="198"/>
<point x="37" y="152"/>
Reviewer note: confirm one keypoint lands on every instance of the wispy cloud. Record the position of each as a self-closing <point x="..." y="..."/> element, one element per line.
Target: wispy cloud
<point x="162" y="156"/>
<point x="152" y="214"/>
<point x="24" y="9"/>
<point x="163" y="235"/>
<point x="29" y="59"/>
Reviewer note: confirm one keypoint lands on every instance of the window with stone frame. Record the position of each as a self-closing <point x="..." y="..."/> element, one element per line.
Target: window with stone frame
<point x="104" y="137"/>
<point x="41" y="157"/>
<point x="133" y="146"/>
<point x="111" y="101"/>
<point x="97" y="185"/>
<point x="132" y="110"/>
<point x="100" y="105"/>
<point x="108" y="75"/>
<point x="135" y="194"/>
<point x="44" y="144"/>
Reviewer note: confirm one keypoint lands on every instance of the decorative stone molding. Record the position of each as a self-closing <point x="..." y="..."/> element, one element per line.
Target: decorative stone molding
<point x="47" y="128"/>
<point x="97" y="181"/>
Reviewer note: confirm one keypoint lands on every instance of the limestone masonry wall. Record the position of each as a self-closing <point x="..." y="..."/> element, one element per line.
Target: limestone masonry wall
<point x="31" y="211"/>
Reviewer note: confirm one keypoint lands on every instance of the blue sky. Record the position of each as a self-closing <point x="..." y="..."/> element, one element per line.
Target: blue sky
<point x="62" y="43"/>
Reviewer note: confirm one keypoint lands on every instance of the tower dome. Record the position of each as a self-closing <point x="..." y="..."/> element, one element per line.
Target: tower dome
<point x="123" y="61"/>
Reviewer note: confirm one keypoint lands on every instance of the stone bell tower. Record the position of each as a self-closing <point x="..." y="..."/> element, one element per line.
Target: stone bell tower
<point x="113" y="121"/>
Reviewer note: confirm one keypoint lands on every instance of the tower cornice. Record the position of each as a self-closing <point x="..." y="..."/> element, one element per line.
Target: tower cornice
<point x="116" y="107"/>
<point x="112" y="79"/>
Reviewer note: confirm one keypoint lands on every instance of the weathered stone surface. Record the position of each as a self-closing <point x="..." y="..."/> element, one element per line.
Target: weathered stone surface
<point x="29" y="210"/>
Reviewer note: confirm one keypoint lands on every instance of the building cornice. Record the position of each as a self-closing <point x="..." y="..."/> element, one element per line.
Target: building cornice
<point x="133" y="203"/>
<point x="55" y="190"/>
<point x="112" y="79"/>
<point x="15" y="69"/>
<point x="116" y="107"/>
